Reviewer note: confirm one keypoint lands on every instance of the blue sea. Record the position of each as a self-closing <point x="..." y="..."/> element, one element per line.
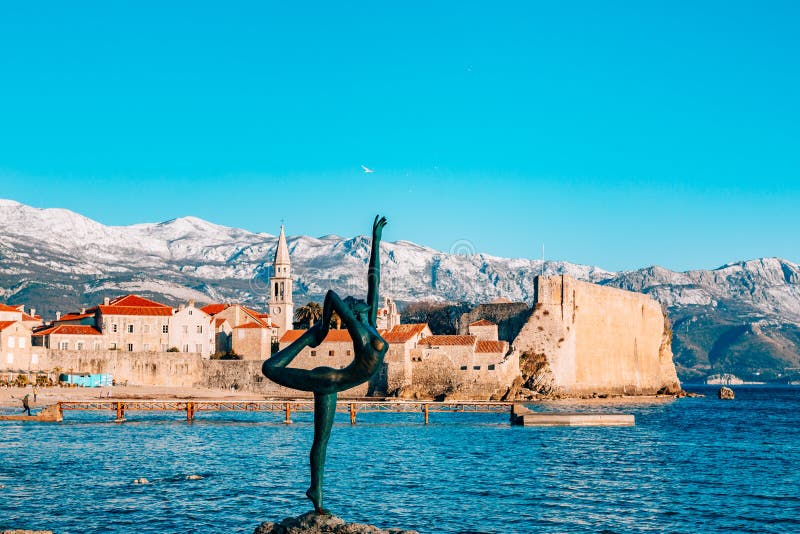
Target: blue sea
<point x="689" y="465"/>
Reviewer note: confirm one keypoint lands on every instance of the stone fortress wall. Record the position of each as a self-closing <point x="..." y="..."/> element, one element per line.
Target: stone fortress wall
<point x="171" y="369"/>
<point x="597" y="339"/>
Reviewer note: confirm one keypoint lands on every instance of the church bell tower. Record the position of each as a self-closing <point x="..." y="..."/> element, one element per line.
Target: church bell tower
<point x="281" y="307"/>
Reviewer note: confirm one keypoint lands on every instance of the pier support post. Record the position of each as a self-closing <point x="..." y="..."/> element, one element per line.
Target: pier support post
<point x="190" y="411"/>
<point x="425" y="409"/>
<point x="288" y="420"/>
<point x="352" y="413"/>
<point x="120" y="413"/>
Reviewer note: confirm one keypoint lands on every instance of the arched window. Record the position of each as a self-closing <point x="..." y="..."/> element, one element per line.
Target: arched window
<point x="276" y="289"/>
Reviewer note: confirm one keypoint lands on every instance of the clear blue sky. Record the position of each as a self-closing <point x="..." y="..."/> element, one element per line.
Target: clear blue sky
<point x="620" y="134"/>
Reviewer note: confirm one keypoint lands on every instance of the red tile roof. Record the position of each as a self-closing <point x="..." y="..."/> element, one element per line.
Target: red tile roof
<point x="136" y="300"/>
<point x="251" y="325"/>
<point x="6" y="324"/>
<point x="492" y="346"/>
<point x="7" y="308"/>
<point x="218" y="322"/>
<point x="69" y="330"/>
<point x="73" y="316"/>
<point x="213" y="309"/>
<point x="403" y="332"/>
<point x="26" y="317"/>
<point x="136" y="310"/>
<point x="435" y="341"/>
<point x="334" y="336"/>
<point x="254" y="314"/>
<point x="483" y="322"/>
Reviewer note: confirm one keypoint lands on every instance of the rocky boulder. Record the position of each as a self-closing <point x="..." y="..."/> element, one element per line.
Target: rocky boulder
<point x="314" y="523"/>
<point x="725" y="393"/>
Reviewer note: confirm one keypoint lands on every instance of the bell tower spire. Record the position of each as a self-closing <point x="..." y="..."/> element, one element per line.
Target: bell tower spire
<point x="281" y="307"/>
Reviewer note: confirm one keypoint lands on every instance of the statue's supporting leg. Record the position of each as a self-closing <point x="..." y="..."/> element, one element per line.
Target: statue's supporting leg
<point x="324" y="411"/>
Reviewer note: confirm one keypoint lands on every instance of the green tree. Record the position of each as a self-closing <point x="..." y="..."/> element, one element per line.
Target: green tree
<point x="307" y="315"/>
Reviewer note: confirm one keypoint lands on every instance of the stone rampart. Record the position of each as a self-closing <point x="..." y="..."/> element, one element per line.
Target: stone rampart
<point x="174" y="369"/>
<point x="597" y="339"/>
<point x="136" y="368"/>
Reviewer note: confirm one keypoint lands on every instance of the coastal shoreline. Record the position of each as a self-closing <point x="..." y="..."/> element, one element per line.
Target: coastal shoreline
<point x="51" y="395"/>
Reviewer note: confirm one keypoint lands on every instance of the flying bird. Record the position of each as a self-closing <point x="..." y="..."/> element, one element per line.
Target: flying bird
<point x="366" y="169"/>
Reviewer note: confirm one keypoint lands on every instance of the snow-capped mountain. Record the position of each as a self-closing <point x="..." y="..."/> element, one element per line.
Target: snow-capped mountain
<point x="58" y="260"/>
<point x="190" y="257"/>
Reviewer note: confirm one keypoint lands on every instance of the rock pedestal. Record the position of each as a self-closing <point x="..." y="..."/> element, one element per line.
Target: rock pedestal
<point x="725" y="393"/>
<point x="314" y="523"/>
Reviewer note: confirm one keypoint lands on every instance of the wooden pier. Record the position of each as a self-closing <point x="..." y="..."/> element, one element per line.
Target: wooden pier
<point x="518" y="413"/>
<point x="192" y="408"/>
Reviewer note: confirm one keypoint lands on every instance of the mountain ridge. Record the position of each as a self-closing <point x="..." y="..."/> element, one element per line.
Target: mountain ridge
<point x="57" y="260"/>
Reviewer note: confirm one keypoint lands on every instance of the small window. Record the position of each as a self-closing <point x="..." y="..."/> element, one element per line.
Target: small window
<point x="190" y="312"/>
<point x="96" y="345"/>
<point x="331" y="353"/>
<point x="146" y="329"/>
<point x="113" y="346"/>
<point x="130" y="329"/>
<point x="163" y="347"/>
<point x="114" y="328"/>
<point x="9" y="358"/>
<point x="64" y="345"/>
<point x="463" y="367"/>
<point x="476" y="367"/>
<point x="491" y="367"/>
<point x="22" y="342"/>
<point x="130" y="347"/>
<point x="348" y="352"/>
<point x="79" y="345"/>
<point x="313" y="353"/>
<point x="198" y="348"/>
<point x="165" y="329"/>
<point x="11" y="342"/>
<point x="185" y="329"/>
<point x="34" y="359"/>
<point x="186" y="348"/>
<point x="146" y="347"/>
<point x="199" y="329"/>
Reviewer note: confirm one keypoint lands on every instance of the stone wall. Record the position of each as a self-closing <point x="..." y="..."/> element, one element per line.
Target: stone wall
<point x="435" y="374"/>
<point x="173" y="369"/>
<point x="509" y="317"/>
<point x="484" y="332"/>
<point x="251" y="343"/>
<point x="135" y="368"/>
<point x="596" y="339"/>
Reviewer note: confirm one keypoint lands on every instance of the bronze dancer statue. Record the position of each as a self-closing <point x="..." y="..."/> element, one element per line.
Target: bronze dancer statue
<point x="326" y="382"/>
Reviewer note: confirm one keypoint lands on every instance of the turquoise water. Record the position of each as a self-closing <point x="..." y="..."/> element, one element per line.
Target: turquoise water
<point x="689" y="465"/>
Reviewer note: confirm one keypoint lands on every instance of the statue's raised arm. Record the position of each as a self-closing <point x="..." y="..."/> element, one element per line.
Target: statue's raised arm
<point x="374" y="272"/>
